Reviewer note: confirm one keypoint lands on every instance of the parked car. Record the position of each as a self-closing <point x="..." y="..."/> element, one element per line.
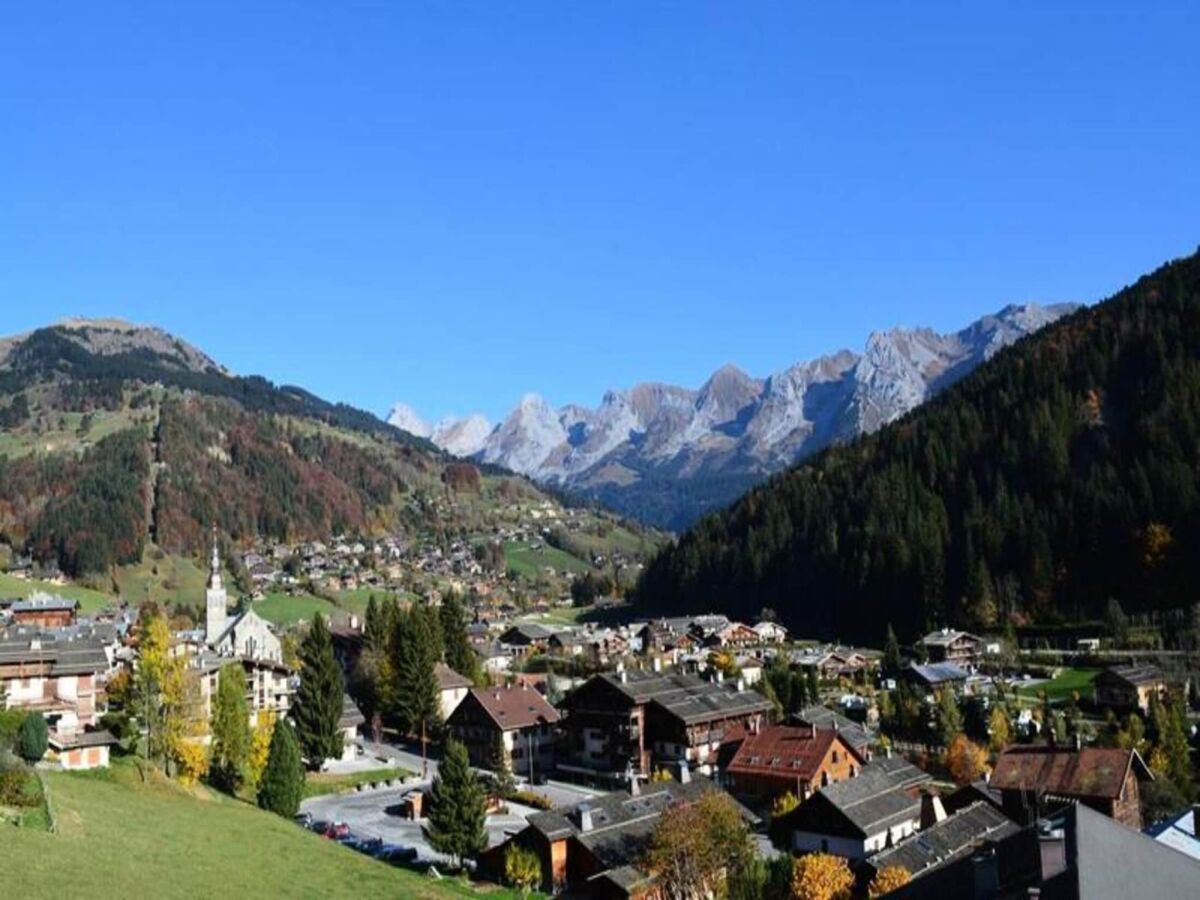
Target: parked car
<point x="337" y="830"/>
<point x="397" y="855"/>
<point x="304" y="819"/>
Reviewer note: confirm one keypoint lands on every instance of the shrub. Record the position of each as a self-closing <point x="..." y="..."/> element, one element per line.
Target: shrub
<point x="33" y="739"/>
<point x="529" y="798"/>
<point x="522" y="869"/>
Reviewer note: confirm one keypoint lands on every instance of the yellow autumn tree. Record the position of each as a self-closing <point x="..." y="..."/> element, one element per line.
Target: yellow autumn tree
<point x="784" y="804"/>
<point x="966" y="760"/>
<point x="184" y="723"/>
<point x="822" y="876"/>
<point x="999" y="729"/>
<point x="887" y="880"/>
<point x="260" y="747"/>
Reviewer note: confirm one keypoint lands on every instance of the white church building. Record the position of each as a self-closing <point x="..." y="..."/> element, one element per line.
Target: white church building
<point x="247" y="634"/>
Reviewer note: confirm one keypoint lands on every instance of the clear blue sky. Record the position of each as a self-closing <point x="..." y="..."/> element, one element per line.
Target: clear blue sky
<point x="454" y="203"/>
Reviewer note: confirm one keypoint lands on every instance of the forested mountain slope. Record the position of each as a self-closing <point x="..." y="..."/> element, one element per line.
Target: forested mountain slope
<point x="116" y="437"/>
<point x="1062" y="473"/>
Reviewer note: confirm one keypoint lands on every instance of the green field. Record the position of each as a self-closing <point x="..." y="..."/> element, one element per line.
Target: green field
<point x="118" y="837"/>
<point x="174" y="579"/>
<point x="89" y="600"/>
<point x="524" y="560"/>
<point x="1061" y="686"/>
<point x="286" y="609"/>
<point x="356" y="601"/>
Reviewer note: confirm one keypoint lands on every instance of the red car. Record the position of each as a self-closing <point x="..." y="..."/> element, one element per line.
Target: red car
<point x="336" y="830"/>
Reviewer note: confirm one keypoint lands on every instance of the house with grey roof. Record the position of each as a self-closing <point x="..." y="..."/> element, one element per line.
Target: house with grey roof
<point x="594" y="848"/>
<point x="860" y="816"/>
<point x="944" y="840"/>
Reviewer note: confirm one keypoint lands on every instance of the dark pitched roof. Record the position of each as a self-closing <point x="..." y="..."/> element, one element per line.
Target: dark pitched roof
<point x="947" y="840"/>
<point x="937" y="673"/>
<point x="448" y="679"/>
<point x="687" y="697"/>
<point x="100" y="738"/>
<point x="823" y="717"/>
<point x="82" y="656"/>
<point x="883" y="794"/>
<point x="793" y="751"/>
<point x="1134" y="675"/>
<point x="513" y="707"/>
<point x="1092" y="772"/>
<point x="44" y="604"/>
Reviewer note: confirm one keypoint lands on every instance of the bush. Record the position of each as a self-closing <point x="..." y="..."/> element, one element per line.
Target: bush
<point x="33" y="739"/>
<point x="529" y="798"/>
<point x="10" y="724"/>
<point x="522" y="869"/>
<point x="18" y="784"/>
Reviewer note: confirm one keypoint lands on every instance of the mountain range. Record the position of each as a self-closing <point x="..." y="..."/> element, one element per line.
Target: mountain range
<point x="1058" y="482"/>
<point x="666" y="454"/>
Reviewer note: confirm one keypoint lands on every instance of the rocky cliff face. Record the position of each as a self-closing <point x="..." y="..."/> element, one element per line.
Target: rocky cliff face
<point x="667" y="454"/>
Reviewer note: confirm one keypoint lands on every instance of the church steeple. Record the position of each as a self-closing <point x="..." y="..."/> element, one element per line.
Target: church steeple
<point x="215" y="599"/>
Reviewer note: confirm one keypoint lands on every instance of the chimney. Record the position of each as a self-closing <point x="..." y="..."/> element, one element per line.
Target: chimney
<point x="720" y="677"/>
<point x="657" y="664"/>
<point x="932" y="810"/>
<point x="685" y="774"/>
<point x="635" y="787"/>
<point x="624" y="677"/>
<point x="887" y="752"/>
<point x="585" y="817"/>
<point x="741" y="684"/>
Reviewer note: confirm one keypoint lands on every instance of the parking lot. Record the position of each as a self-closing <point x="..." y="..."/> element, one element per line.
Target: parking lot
<point x="375" y="814"/>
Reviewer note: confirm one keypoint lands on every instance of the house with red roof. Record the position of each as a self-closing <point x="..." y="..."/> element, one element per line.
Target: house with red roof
<point x="799" y="759"/>
<point x="1032" y="780"/>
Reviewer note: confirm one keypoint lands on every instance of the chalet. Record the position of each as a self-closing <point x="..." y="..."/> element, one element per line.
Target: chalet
<point x="519" y="717"/>
<point x="452" y="688"/>
<point x="622" y="722"/>
<point x="734" y="635"/>
<point x="830" y="664"/>
<point x="796" y="759"/>
<point x="859" y="816"/>
<point x="60" y="679"/>
<point x="525" y="639"/>
<point x="1129" y="687"/>
<point x="935" y="676"/>
<point x="594" y="849"/>
<point x="771" y="633"/>
<point x="949" y="646"/>
<point x="943" y="838"/>
<point x="1031" y="779"/>
<point x="44" y="611"/>
<point x="822" y="717"/>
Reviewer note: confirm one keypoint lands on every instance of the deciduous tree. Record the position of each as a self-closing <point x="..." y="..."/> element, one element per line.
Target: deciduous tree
<point x="887" y="880"/>
<point x="822" y="876"/>
<point x="695" y="845"/>
<point x="966" y="760"/>
<point x="230" y="729"/>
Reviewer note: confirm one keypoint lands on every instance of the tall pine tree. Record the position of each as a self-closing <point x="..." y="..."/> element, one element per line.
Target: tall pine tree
<point x="319" y="701"/>
<point x="282" y="784"/>
<point x="457" y="807"/>
<point x="418" y="704"/>
<point x="459" y="655"/>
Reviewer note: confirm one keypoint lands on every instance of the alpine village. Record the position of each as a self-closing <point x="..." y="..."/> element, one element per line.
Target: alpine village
<point x="955" y="656"/>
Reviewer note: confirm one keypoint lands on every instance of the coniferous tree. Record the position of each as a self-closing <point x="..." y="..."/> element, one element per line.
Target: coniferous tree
<point x="891" y="653"/>
<point x="814" y="687"/>
<point x="320" y="699"/>
<point x="230" y="729"/>
<point x="418" y="704"/>
<point x="282" y="784"/>
<point x="459" y="655"/>
<point x="501" y="762"/>
<point x="374" y="628"/>
<point x="32" y="738"/>
<point x="457" y="807"/>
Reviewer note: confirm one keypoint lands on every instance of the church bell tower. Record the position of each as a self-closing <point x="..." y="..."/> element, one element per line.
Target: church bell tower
<point x="215" y="598"/>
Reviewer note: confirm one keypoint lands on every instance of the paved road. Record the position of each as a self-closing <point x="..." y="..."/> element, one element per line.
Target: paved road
<point x="374" y="813"/>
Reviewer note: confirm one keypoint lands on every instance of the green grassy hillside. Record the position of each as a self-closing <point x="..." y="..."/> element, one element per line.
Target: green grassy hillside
<point x="118" y="837"/>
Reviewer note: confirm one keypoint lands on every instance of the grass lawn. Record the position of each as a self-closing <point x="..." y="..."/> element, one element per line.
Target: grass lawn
<point x="1060" y="687"/>
<point x="524" y="560"/>
<point x="118" y="837"/>
<point x="172" y="578"/>
<point x="356" y="601"/>
<point x="318" y="783"/>
<point x="89" y="600"/>
<point x="285" y="609"/>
